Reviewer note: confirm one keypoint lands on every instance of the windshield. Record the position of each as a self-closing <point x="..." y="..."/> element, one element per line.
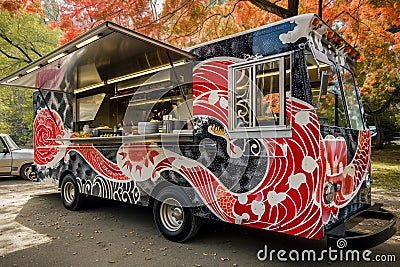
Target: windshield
<point x="351" y="96"/>
<point x="330" y="108"/>
<point x="11" y="144"/>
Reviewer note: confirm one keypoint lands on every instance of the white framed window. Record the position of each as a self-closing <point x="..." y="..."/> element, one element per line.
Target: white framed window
<point x="259" y="90"/>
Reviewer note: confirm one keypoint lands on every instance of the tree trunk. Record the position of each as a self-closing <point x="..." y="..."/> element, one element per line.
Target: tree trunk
<point x="320" y="9"/>
<point x="380" y="138"/>
<point x="380" y="135"/>
<point x="292" y="10"/>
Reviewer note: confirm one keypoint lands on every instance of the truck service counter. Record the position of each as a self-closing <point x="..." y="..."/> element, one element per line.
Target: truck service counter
<point x="176" y="136"/>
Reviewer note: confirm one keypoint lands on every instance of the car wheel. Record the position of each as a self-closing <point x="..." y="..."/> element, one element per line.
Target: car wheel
<point x="173" y="216"/>
<point x="25" y="171"/>
<point x="70" y="196"/>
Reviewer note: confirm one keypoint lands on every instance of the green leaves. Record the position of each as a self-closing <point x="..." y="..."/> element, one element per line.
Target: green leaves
<point x="16" y="113"/>
<point x="23" y="39"/>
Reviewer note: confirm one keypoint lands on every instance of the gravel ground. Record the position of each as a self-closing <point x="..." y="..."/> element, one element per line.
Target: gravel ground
<point x="36" y="230"/>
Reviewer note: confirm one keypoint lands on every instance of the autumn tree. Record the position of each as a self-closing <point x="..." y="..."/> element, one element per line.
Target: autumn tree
<point x="194" y="22"/>
<point x="23" y="39"/>
<point x="78" y="16"/>
<point x="180" y="22"/>
<point x="51" y="11"/>
<point x="372" y="26"/>
<point x="22" y="6"/>
<point x="281" y="8"/>
<point x="191" y="22"/>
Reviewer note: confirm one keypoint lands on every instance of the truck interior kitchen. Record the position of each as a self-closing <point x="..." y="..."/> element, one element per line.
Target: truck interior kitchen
<point x="138" y="98"/>
<point x="120" y="108"/>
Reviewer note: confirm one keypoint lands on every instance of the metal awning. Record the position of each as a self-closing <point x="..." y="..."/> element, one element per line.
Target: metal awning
<point x="106" y="54"/>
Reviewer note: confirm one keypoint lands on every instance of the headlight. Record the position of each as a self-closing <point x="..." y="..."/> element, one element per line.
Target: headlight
<point x="368" y="180"/>
<point x="329" y="193"/>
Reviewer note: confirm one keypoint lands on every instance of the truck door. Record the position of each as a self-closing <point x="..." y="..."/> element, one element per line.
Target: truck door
<point x="331" y="107"/>
<point x="345" y="144"/>
<point x="338" y="111"/>
<point x="5" y="158"/>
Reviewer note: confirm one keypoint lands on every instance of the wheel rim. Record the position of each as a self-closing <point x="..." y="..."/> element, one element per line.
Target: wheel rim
<point x="27" y="172"/>
<point x="171" y="214"/>
<point x="69" y="192"/>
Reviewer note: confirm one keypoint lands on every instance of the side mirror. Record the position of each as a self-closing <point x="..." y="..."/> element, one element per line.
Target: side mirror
<point x="4" y="150"/>
<point x="323" y="86"/>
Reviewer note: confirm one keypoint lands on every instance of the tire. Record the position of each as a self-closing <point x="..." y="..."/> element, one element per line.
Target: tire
<point x="173" y="216"/>
<point x="70" y="196"/>
<point x="25" y="172"/>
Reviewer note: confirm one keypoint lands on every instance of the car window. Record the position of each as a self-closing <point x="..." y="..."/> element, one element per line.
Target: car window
<point x="2" y="146"/>
<point x="11" y="144"/>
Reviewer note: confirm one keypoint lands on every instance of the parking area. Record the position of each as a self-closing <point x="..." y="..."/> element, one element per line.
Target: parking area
<point x="36" y="230"/>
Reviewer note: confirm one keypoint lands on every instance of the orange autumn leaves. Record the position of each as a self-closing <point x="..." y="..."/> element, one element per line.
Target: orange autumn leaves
<point x="369" y="25"/>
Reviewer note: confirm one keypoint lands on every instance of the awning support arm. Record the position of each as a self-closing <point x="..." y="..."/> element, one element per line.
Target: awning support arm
<point x="179" y="85"/>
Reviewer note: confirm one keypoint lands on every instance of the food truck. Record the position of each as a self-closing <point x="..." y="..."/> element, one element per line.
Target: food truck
<point x="264" y="128"/>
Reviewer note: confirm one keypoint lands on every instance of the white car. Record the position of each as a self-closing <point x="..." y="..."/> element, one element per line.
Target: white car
<point x="14" y="160"/>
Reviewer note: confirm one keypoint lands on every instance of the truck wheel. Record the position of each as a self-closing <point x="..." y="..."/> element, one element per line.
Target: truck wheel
<point x="174" y="219"/>
<point x="25" y="171"/>
<point x="70" y="196"/>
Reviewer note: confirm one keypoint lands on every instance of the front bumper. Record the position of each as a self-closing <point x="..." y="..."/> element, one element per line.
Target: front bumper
<point x="363" y="240"/>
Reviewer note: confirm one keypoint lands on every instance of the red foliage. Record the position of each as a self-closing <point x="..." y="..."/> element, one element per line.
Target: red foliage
<point x="27" y="6"/>
<point x="82" y="15"/>
<point x="367" y="26"/>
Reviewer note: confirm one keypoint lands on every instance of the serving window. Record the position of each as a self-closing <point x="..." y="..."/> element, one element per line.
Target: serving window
<point x="120" y="108"/>
<point x="98" y="110"/>
<point x="259" y="91"/>
<point x="171" y="103"/>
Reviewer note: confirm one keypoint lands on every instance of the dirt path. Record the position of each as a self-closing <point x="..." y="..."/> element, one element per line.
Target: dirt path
<point x="40" y="232"/>
<point x="391" y="202"/>
<point x="14" y="235"/>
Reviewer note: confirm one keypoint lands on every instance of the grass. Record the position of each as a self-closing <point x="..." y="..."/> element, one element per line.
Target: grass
<point x="386" y="167"/>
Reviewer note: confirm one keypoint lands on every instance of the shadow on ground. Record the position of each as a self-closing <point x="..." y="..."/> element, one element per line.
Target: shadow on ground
<point x="110" y="233"/>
